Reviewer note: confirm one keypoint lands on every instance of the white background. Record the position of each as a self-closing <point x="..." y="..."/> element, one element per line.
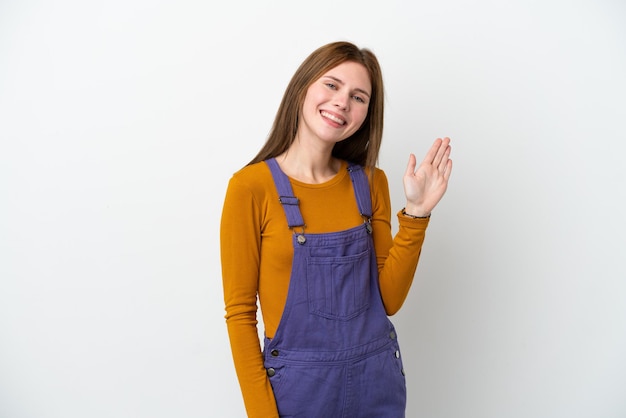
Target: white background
<point x="122" y="121"/>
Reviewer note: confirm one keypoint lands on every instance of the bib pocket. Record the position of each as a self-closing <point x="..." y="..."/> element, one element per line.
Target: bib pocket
<point x="339" y="287"/>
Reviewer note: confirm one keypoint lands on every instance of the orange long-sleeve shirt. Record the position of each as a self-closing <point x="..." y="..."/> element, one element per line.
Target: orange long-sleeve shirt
<point x="256" y="253"/>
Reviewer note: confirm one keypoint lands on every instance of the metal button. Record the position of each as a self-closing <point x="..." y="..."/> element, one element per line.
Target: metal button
<point x="368" y="226"/>
<point x="402" y="372"/>
<point x="271" y="372"/>
<point x="301" y="239"/>
<point x="392" y="335"/>
<point x="274" y="353"/>
<point x="397" y="354"/>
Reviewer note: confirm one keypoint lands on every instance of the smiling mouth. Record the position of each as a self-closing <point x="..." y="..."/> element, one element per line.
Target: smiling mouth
<point x="333" y="118"/>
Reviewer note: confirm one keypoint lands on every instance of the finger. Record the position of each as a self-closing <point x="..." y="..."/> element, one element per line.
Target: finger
<point x="432" y="152"/>
<point x="410" y="167"/>
<point x="436" y="151"/>
<point x="447" y="171"/>
<point x="444" y="159"/>
<point x="441" y="152"/>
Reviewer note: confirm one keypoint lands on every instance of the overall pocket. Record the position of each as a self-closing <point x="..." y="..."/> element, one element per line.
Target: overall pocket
<point x="339" y="287"/>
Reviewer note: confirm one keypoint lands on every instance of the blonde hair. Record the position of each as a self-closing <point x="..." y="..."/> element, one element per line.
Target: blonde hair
<point x="360" y="148"/>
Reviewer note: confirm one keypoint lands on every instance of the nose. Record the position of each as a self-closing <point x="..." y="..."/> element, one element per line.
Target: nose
<point x="342" y="101"/>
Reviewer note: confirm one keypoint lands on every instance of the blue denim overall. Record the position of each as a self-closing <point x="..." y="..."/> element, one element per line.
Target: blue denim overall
<point x="335" y="353"/>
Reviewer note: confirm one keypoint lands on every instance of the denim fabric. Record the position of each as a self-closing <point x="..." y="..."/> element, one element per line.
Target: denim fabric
<point x="335" y="353"/>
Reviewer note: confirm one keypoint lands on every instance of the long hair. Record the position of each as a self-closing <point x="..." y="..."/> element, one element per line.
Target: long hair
<point x="363" y="146"/>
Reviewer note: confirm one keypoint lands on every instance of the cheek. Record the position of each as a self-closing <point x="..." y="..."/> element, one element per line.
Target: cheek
<point x="362" y="116"/>
<point x="315" y="94"/>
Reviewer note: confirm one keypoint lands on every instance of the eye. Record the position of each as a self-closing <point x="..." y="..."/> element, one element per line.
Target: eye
<point x="358" y="99"/>
<point x="331" y="86"/>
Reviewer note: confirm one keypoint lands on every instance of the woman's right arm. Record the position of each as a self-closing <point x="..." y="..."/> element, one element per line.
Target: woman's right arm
<point x="240" y="243"/>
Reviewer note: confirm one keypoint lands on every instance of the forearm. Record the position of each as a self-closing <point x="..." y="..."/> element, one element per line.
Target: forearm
<point x="397" y="269"/>
<point x="255" y="387"/>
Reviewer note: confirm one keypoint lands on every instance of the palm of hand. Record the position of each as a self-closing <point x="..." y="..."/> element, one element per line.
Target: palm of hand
<point x="425" y="186"/>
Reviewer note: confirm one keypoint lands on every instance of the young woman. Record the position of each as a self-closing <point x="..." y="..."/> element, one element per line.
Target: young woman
<point x="306" y="228"/>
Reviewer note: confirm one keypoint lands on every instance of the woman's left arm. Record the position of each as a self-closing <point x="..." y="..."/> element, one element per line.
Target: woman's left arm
<point x="398" y="256"/>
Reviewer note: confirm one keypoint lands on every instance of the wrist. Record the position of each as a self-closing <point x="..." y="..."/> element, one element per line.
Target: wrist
<point x="415" y="215"/>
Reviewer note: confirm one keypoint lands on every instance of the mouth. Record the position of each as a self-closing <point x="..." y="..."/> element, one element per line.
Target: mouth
<point x="333" y="118"/>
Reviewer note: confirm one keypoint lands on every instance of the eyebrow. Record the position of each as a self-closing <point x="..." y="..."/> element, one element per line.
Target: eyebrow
<point x="339" y="81"/>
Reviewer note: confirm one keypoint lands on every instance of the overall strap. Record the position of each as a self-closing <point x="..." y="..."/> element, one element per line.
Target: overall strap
<point x="361" y="189"/>
<point x="285" y="195"/>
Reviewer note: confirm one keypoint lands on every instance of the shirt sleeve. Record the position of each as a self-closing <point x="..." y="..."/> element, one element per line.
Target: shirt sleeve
<point x="240" y="239"/>
<point x="397" y="256"/>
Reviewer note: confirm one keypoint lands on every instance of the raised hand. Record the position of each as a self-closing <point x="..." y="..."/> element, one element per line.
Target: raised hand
<point x="425" y="186"/>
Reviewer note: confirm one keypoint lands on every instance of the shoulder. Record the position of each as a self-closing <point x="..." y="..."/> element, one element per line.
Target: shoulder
<point x="379" y="187"/>
<point x="254" y="176"/>
<point x="377" y="178"/>
<point x="252" y="173"/>
<point x="254" y="180"/>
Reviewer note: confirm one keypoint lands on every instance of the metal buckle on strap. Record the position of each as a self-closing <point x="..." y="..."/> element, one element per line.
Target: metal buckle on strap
<point x="368" y="223"/>
<point x="289" y="200"/>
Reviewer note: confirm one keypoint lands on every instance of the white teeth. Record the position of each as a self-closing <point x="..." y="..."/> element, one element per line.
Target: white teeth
<point x="333" y="118"/>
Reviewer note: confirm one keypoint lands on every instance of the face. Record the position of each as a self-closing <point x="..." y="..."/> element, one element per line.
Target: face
<point x="336" y="104"/>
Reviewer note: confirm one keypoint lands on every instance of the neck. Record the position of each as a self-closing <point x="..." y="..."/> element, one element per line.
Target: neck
<point x="308" y="164"/>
